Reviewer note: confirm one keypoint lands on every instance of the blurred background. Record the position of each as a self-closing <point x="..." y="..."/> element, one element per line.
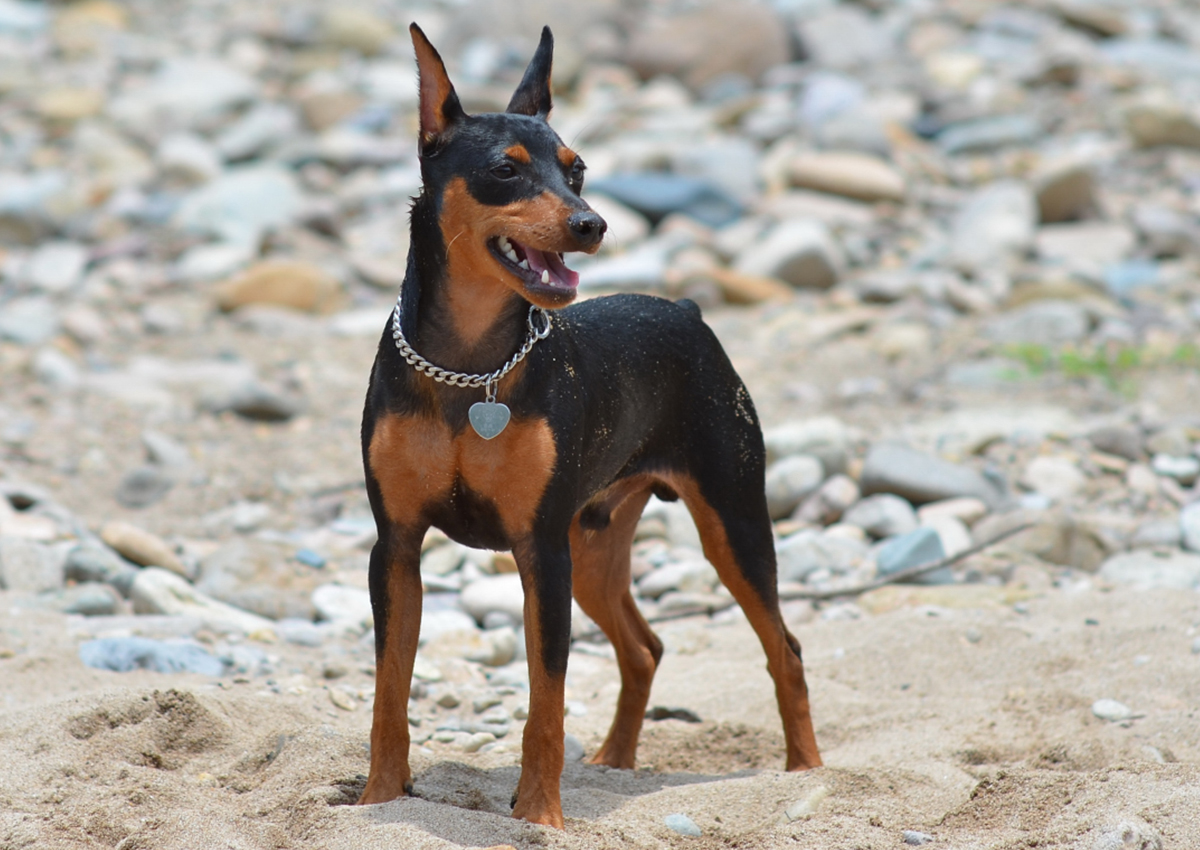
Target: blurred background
<point x="967" y="225"/>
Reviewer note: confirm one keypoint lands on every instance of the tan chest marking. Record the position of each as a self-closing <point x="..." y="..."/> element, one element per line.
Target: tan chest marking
<point x="417" y="460"/>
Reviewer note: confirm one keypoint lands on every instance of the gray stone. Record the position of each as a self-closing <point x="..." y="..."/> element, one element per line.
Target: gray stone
<point x="265" y="125"/>
<point x="1129" y="835"/>
<point x="882" y="515"/>
<point x="1157" y="533"/>
<point x="824" y="437"/>
<point x="987" y="134"/>
<point x="1056" y="478"/>
<point x="91" y="599"/>
<point x="203" y="263"/>
<point x="122" y="654"/>
<point x="846" y="37"/>
<point x="501" y="593"/>
<point x="681" y="528"/>
<point x="301" y="632"/>
<point x="1145" y="568"/>
<point x="683" y="825"/>
<point x="1167" y="232"/>
<point x="144" y="486"/>
<point x="1189" y="526"/>
<point x="188" y="158"/>
<point x="1050" y="322"/>
<point x="904" y="551"/>
<point x="800" y="252"/>
<point x="1053" y="536"/>
<point x="830" y="500"/>
<point x="185" y="92"/>
<point x="807" y="552"/>
<point x="1123" y="442"/>
<point x="656" y="196"/>
<point x="93" y="562"/>
<point x="1171" y="440"/>
<point x="693" y="575"/>
<point x="994" y="226"/>
<point x="241" y="205"/>
<point x="572" y="749"/>
<point x="1185" y="470"/>
<point x="1085" y="247"/>
<point x="56" y="266"/>
<point x="157" y="591"/>
<point x="259" y="402"/>
<point x="1154" y="124"/>
<point x="29" y="565"/>
<point x="165" y="451"/>
<point x="28" y="321"/>
<point x="913" y="838"/>
<point x="854" y="175"/>
<point x="262" y="577"/>
<point x="55" y="369"/>
<point x="789" y="481"/>
<point x="920" y="477"/>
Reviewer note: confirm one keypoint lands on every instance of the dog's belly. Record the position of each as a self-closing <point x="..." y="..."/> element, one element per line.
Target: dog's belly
<point x="480" y="492"/>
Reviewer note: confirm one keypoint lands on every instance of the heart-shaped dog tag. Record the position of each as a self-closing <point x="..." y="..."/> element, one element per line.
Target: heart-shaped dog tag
<point x="489" y="418"/>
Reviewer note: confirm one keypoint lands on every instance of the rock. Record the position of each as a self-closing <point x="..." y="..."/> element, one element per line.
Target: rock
<point x="921" y="478"/>
<point x="800" y="252"/>
<point x="846" y="37"/>
<point x="188" y="158"/>
<point x="703" y="44"/>
<point x="987" y="134"/>
<point x="122" y="654"/>
<point x="1051" y="323"/>
<point x="1169" y="441"/>
<point x="261" y="577"/>
<point x="1119" y="441"/>
<point x="808" y="552"/>
<point x="912" y="549"/>
<point x="28" y="321"/>
<point x="1111" y="710"/>
<point x="1152" y="125"/>
<point x="626" y="226"/>
<point x="1129" y="835"/>
<point x="789" y="481"/>
<point x="830" y="501"/>
<point x="185" y="92"/>
<point x="680" y="527"/>
<point x="882" y="515"/>
<point x="993" y="227"/>
<point x="343" y="605"/>
<point x="1145" y="568"/>
<point x="1056" y="478"/>
<point x="56" y="267"/>
<point x="967" y="510"/>
<point x="808" y="805"/>
<point x="255" y="401"/>
<point x="165" y="451"/>
<point x="357" y="29"/>
<point x="657" y="195"/>
<point x="501" y="593"/>
<point x="90" y="599"/>
<point x="142" y="548"/>
<point x="683" y="825"/>
<point x="156" y="591"/>
<point x="301" y="632"/>
<point x="28" y="565"/>
<point x="438" y="624"/>
<point x="855" y="175"/>
<point x="824" y="437"/>
<point x="1054" y="536"/>
<point x="284" y="283"/>
<point x="241" y="205"/>
<point x="1085" y="246"/>
<point x="572" y="749"/>
<point x="693" y="575"/>
<point x="91" y="562"/>
<point x="55" y="369"/>
<point x="1157" y="533"/>
<point x="1185" y="470"/>
<point x="953" y="532"/>
<point x="1065" y="191"/>
<point x="913" y="838"/>
<point x="144" y="486"/>
<point x="265" y="125"/>
<point x="1189" y="525"/>
<point x="1167" y="232"/>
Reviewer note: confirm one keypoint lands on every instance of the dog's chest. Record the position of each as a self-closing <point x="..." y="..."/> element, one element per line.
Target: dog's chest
<point x="425" y="470"/>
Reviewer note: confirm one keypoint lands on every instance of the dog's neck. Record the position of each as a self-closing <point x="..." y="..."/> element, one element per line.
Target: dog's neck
<point x="459" y="324"/>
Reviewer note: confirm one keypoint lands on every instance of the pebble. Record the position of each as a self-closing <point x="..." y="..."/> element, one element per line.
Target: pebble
<point x="800" y="252"/>
<point x="789" y="481"/>
<point x="89" y="599"/>
<point x="692" y="575"/>
<point x="1189" y="526"/>
<point x="188" y="158"/>
<point x="1116" y="440"/>
<point x="1144" y="569"/>
<point x="1185" y="470"/>
<point x="683" y="825"/>
<point x="143" y="486"/>
<point x="28" y="321"/>
<point x="808" y="805"/>
<point x="501" y="593"/>
<point x="257" y="576"/>
<point x="157" y="591"/>
<point x="1129" y="835"/>
<point x="240" y="205"/>
<point x="122" y="654"/>
<point x="572" y="749"/>
<point x="920" y="477"/>
<point x="882" y="515"/>
<point x="1111" y="710"/>
<point x="655" y="196"/>
<point x="29" y="565"/>
<point x="823" y="437"/>
<point x="142" y="547"/>
<point x="830" y="501"/>
<point x="1056" y="478"/>
<point x="808" y="552"/>
<point x="967" y="510"/>
<point x="343" y="605"/>
<point x="994" y="226"/>
<point x="852" y="174"/>
<point x="92" y="562"/>
<point x="283" y="283"/>
<point x="344" y="701"/>
<point x="56" y="267"/>
<point x="1051" y="323"/>
<point x="904" y="551"/>
<point x="915" y="839"/>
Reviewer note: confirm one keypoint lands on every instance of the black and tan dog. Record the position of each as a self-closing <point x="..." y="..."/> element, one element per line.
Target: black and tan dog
<point x="623" y="397"/>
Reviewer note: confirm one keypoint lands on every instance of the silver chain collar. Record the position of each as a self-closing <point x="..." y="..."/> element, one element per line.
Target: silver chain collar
<point x="463" y="379"/>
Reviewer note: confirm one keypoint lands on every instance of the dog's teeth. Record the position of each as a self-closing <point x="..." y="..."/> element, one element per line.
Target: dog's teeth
<point x="505" y="245"/>
<point x="545" y="276"/>
<point x="524" y="264"/>
<point x="512" y="255"/>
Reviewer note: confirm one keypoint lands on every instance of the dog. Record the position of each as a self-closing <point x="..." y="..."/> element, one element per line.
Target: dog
<point x="511" y="421"/>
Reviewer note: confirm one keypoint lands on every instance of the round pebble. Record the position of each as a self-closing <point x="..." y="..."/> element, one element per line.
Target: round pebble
<point x="1111" y="710"/>
<point x="683" y="825"/>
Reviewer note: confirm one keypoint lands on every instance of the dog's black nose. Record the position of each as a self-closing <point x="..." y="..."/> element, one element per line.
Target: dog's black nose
<point x="587" y="227"/>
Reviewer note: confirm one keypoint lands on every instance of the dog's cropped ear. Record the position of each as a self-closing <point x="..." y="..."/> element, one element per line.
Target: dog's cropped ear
<point x="532" y="96"/>
<point x="440" y="108"/>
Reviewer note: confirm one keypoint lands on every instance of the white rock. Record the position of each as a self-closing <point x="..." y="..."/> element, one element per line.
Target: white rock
<point x="965" y="509"/>
<point x="185" y="92"/>
<point x="188" y="157"/>
<point x="1111" y="710"/>
<point x="626" y="226"/>
<point x="855" y="175"/>
<point x="436" y="624"/>
<point x="241" y="205"/>
<point x="800" y="252"/>
<point x="501" y="593"/>
<point x="157" y="591"/>
<point x="789" y="481"/>
<point x="882" y="515"/>
<point x="29" y="565"/>
<point x="217" y="261"/>
<point x="809" y="551"/>
<point x="830" y="501"/>
<point x="1143" y="569"/>
<point x="954" y="534"/>
<point x="340" y="604"/>
<point x="266" y="124"/>
<point x="1189" y="524"/>
<point x="57" y="266"/>
<point x="994" y="226"/>
<point x="681" y="528"/>
<point x="691" y="575"/>
<point x="1185" y="470"/>
<point x="1086" y="247"/>
<point x="1056" y="478"/>
<point x="824" y="437"/>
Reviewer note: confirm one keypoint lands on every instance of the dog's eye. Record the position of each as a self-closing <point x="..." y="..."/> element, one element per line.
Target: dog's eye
<point x="504" y="171"/>
<point x="577" y="172"/>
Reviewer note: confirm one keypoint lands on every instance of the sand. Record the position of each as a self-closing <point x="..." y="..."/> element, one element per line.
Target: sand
<point x="957" y="713"/>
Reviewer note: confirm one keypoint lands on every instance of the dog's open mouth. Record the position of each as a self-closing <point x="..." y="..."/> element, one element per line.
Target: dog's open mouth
<point x="538" y="269"/>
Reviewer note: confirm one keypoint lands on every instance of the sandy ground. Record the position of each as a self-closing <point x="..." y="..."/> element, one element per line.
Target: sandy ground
<point x="963" y="713"/>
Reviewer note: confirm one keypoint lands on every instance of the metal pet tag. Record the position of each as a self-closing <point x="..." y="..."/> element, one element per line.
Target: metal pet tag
<point x="489" y="418"/>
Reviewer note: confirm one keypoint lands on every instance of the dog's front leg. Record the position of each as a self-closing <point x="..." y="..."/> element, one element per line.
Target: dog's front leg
<point x="545" y="567"/>
<point x="395" y="579"/>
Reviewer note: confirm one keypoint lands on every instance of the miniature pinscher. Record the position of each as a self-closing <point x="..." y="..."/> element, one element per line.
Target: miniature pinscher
<point x="513" y="428"/>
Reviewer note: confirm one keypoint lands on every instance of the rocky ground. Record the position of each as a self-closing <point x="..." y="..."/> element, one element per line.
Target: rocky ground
<point x="951" y="245"/>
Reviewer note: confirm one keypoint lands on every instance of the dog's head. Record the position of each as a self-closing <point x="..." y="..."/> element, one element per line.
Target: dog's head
<point x="507" y="189"/>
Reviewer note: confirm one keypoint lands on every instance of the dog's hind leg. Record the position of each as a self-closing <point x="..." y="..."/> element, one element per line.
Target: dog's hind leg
<point x="735" y="530"/>
<point x="600" y="558"/>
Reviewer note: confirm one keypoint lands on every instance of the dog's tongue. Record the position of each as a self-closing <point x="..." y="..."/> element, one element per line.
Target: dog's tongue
<point x="545" y="261"/>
